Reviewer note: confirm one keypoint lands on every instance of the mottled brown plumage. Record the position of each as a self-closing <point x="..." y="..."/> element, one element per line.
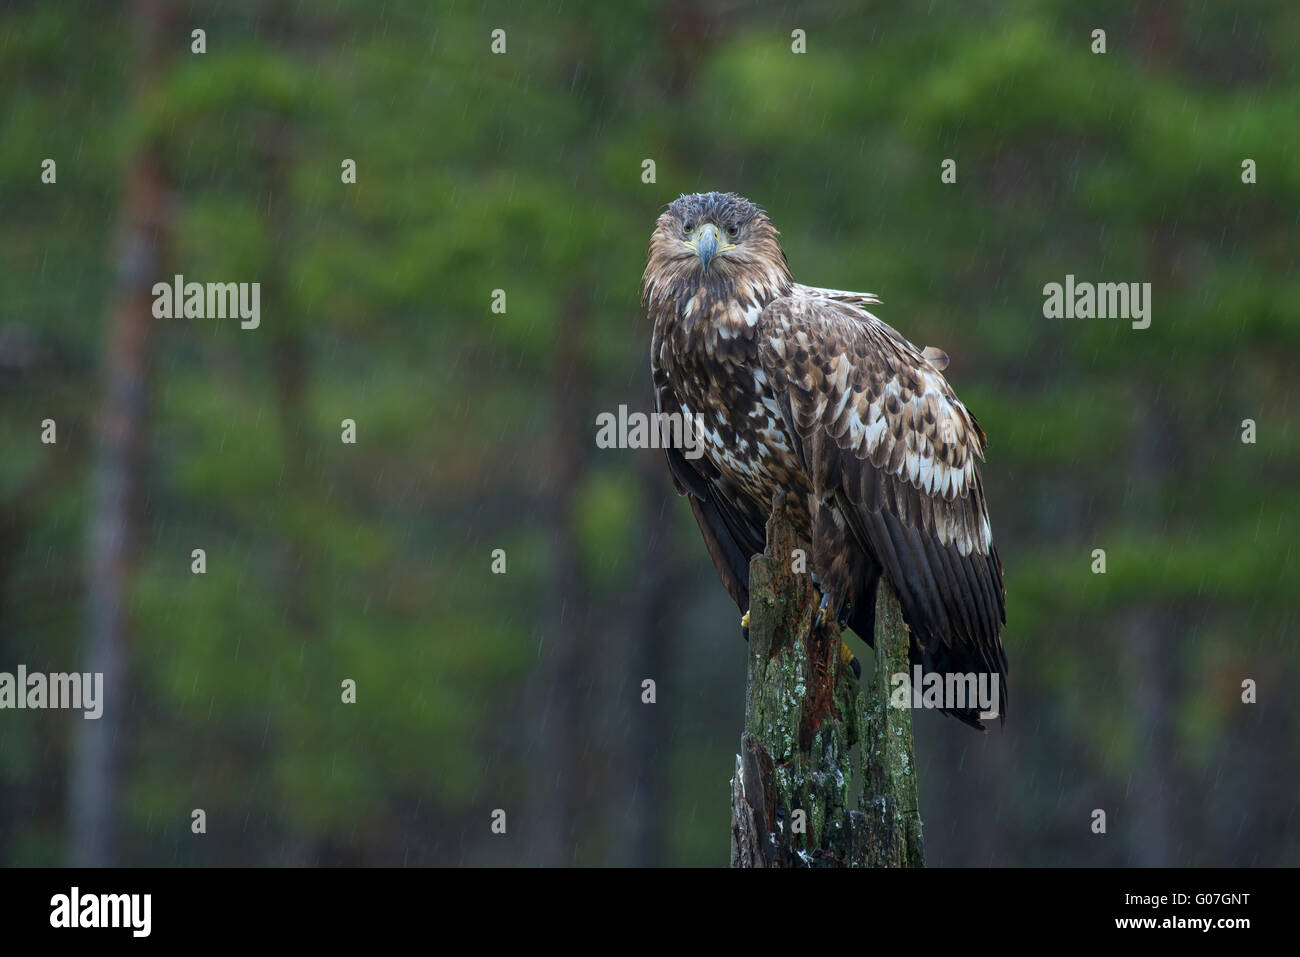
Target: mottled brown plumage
<point x="803" y="390"/>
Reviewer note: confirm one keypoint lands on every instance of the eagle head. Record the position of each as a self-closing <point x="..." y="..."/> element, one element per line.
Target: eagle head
<point x="718" y="240"/>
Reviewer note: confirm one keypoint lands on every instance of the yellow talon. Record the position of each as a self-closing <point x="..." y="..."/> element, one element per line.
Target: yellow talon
<point x="849" y="658"/>
<point x="744" y="621"/>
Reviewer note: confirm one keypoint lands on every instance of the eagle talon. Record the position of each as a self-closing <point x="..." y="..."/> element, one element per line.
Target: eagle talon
<point x="823" y="611"/>
<point x="849" y="658"/>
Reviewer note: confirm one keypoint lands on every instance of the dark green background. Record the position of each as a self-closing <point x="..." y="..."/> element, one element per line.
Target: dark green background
<point x="476" y="431"/>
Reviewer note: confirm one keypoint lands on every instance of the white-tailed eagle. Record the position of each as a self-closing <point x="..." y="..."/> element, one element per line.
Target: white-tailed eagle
<point x="802" y="390"/>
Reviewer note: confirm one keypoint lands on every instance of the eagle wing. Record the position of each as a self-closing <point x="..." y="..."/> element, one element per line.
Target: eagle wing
<point x="839" y="295"/>
<point x="731" y="536"/>
<point x="883" y="438"/>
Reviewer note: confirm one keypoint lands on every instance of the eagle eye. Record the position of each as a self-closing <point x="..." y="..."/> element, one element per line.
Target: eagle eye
<point x="732" y="230"/>
<point x="690" y="227"/>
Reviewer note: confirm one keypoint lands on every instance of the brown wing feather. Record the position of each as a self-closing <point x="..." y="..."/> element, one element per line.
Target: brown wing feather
<point x="731" y="538"/>
<point x="881" y="432"/>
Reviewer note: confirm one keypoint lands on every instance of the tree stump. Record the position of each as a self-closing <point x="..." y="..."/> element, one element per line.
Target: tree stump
<point x="825" y="776"/>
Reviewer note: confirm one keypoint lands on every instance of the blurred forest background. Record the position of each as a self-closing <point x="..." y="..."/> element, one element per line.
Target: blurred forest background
<point x="476" y="431"/>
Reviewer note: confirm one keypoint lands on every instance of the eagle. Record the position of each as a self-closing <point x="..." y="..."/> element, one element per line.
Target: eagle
<point x="800" y="389"/>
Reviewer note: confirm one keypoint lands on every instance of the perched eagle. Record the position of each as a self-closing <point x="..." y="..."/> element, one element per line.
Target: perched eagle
<point x="803" y="390"/>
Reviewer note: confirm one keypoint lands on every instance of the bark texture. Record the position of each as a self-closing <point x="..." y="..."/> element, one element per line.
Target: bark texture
<point x="825" y="776"/>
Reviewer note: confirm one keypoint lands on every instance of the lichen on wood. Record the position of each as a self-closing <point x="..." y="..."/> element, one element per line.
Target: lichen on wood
<point x="825" y="776"/>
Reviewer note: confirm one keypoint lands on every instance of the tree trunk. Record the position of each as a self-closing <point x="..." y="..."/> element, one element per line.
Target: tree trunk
<point x="562" y="762"/>
<point x="825" y="776"/>
<point x="141" y="250"/>
<point x="648" y="651"/>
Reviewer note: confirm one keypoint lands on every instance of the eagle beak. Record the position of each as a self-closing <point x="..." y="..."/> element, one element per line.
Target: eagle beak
<point x="707" y="245"/>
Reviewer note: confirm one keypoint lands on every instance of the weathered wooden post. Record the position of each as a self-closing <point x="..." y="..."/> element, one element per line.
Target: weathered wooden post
<point x="825" y="776"/>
